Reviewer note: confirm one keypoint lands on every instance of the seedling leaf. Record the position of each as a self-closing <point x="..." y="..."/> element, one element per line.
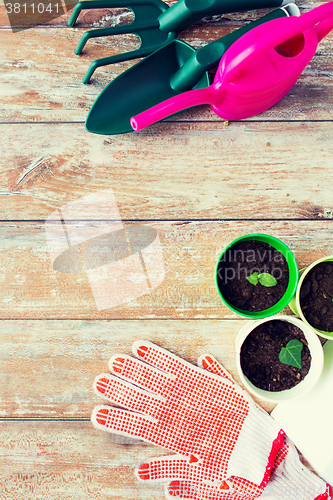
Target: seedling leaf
<point x="253" y="278"/>
<point x="291" y="354"/>
<point x="266" y="279"/>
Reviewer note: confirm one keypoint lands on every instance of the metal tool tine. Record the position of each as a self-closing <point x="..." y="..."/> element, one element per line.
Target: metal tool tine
<point x="145" y="26"/>
<point x="125" y="56"/>
<point x="155" y="22"/>
<point x="89" y="4"/>
<point x="156" y="7"/>
<point x="144" y="50"/>
<point x="113" y="30"/>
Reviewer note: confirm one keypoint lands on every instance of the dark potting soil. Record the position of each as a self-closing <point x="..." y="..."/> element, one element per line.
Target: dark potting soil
<point x="316" y="296"/>
<point x="260" y="356"/>
<point x="241" y="261"/>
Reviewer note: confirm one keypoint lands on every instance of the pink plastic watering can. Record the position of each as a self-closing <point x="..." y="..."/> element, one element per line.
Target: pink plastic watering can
<point x="256" y="72"/>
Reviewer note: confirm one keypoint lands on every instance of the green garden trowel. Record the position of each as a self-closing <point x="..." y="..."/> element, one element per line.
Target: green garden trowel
<point x="169" y="71"/>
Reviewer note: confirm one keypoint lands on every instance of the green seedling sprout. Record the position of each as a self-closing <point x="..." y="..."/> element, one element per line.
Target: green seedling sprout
<point x="264" y="279"/>
<point x="291" y="354"/>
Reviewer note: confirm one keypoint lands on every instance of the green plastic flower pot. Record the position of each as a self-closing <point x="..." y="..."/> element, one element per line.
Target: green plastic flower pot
<point x="293" y="275"/>
<point x="295" y="304"/>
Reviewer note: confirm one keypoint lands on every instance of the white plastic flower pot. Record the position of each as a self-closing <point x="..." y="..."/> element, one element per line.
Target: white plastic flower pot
<point x="312" y="377"/>
<point x="295" y="304"/>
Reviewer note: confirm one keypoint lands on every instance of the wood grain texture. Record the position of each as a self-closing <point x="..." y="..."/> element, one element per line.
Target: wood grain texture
<point x="210" y="171"/>
<point x="199" y="182"/>
<point x="31" y="288"/>
<point x="67" y="460"/>
<point x="50" y="366"/>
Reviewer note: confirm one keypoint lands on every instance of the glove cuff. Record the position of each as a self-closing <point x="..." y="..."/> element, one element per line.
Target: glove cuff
<point x="291" y="480"/>
<point x="254" y="453"/>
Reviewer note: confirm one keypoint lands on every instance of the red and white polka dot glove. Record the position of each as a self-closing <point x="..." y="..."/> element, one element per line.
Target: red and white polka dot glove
<point x="209" y="421"/>
<point x="289" y="480"/>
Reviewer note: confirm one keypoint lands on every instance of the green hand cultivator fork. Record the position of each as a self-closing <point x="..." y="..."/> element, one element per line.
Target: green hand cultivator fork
<point x="156" y="23"/>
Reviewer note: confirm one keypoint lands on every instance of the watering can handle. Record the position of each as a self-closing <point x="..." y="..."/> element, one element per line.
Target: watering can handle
<point x="208" y="57"/>
<point x="324" y="28"/>
<point x="184" y="13"/>
<point x="292" y="27"/>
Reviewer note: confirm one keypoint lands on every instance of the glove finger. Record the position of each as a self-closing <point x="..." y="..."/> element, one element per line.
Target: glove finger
<point x="234" y="488"/>
<point x="210" y="364"/>
<point x="165" y="467"/>
<point x="127" y="395"/>
<point x="198" y="491"/>
<point x="160" y="358"/>
<point x="176" y="368"/>
<point x="194" y="491"/>
<point x="172" y="467"/>
<point x="140" y="374"/>
<point x="188" y="477"/>
<point x="123" y="422"/>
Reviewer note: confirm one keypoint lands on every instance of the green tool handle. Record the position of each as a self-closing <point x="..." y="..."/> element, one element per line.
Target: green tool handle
<point x="209" y="56"/>
<point x="184" y="13"/>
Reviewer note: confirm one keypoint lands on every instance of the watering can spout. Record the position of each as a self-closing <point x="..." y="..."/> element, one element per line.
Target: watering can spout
<point x="172" y="106"/>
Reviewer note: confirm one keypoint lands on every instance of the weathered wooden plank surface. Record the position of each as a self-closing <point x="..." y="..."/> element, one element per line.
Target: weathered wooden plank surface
<point x="49" y="366"/>
<point x="210" y="171"/>
<point x="42" y="75"/>
<point x="186" y="178"/>
<point x="31" y="288"/>
<point x="70" y="460"/>
<point x="67" y="460"/>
